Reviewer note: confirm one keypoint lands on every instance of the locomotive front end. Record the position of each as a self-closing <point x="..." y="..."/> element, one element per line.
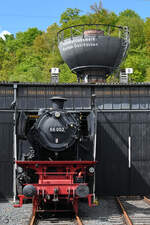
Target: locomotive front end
<point x="54" y="173"/>
<point x="55" y="130"/>
<point x="60" y="184"/>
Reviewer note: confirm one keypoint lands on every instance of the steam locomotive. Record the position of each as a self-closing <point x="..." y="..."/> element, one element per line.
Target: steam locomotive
<point x="54" y="131"/>
<point x="60" y="164"/>
<point x="58" y="167"/>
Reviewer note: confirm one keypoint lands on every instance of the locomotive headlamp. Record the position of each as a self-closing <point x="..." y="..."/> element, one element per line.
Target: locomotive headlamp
<point x="57" y="114"/>
<point x="91" y="169"/>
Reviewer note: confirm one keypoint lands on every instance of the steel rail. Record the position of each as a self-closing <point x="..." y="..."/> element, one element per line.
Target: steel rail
<point x="79" y="220"/>
<point x="126" y="217"/>
<point x="147" y="200"/>
<point x="32" y="220"/>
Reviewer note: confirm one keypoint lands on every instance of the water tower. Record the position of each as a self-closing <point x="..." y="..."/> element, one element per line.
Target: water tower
<point x="93" y="51"/>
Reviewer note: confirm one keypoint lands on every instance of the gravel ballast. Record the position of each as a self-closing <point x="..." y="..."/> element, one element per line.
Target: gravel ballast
<point x="106" y="213"/>
<point x="14" y="216"/>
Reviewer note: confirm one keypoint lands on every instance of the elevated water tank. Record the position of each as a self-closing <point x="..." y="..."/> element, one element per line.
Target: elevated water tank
<point x="91" y="51"/>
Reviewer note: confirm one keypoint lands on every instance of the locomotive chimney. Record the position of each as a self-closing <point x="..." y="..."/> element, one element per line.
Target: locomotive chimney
<point x="58" y="102"/>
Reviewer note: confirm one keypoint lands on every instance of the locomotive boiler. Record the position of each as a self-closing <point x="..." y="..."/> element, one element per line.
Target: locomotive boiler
<point x="54" y="131"/>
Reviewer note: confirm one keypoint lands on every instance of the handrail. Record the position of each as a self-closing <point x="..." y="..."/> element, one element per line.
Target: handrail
<point x="123" y="29"/>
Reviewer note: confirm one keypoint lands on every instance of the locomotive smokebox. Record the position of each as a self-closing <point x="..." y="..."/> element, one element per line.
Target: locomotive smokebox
<point x="58" y="102"/>
<point x="55" y="130"/>
<point x="93" y="51"/>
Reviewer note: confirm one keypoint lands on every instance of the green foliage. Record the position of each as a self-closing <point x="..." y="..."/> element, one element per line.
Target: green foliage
<point x="2" y="51"/>
<point x="65" y="75"/>
<point x="136" y="28"/>
<point x="134" y="61"/>
<point x="29" y="55"/>
<point x="140" y="62"/>
<point x="129" y="13"/>
<point x="147" y="33"/>
<point x="69" y="14"/>
<point x="46" y="43"/>
<point x="147" y="78"/>
<point x="30" y="70"/>
<point x="102" y="15"/>
<point x="26" y="38"/>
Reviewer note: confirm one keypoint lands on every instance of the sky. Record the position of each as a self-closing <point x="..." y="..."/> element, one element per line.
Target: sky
<point x="19" y="15"/>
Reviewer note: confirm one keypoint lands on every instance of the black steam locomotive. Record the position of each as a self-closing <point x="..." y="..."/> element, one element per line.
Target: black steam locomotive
<point x="60" y="159"/>
<point x="54" y="131"/>
<point x="56" y="134"/>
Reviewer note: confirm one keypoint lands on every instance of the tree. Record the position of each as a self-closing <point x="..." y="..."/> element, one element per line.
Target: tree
<point x="8" y="65"/>
<point x="2" y="51"/>
<point x="136" y="27"/>
<point x="101" y="15"/>
<point x="69" y="14"/>
<point x="65" y="74"/>
<point x="26" y="38"/>
<point x="30" y="55"/>
<point x="29" y="70"/>
<point x="147" y="78"/>
<point x="97" y="8"/>
<point x="129" y="13"/>
<point x="147" y="33"/>
<point x="139" y="61"/>
<point x="147" y="43"/>
<point x="47" y="42"/>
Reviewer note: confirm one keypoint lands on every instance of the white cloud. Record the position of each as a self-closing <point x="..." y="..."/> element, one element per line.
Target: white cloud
<point x="3" y="33"/>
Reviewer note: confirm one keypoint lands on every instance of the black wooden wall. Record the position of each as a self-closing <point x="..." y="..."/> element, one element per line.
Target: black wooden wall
<point x="114" y="177"/>
<point x="6" y="155"/>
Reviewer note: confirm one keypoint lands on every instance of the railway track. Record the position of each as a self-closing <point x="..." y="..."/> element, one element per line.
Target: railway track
<point x="59" y="220"/>
<point x="136" y="211"/>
